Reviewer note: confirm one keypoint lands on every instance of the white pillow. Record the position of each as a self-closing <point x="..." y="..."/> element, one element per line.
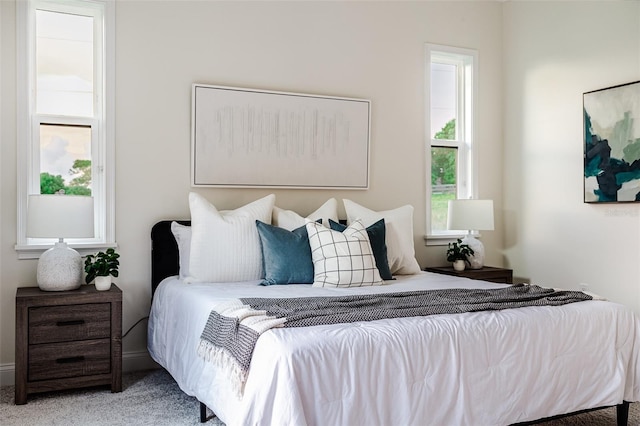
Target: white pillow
<point x="225" y="246"/>
<point x="399" y="234"/>
<point x="182" y="234"/>
<point x="342" y="259"/>
<point x="291" y="220"/>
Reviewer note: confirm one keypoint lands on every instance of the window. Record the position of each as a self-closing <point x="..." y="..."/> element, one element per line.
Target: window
<point x="450" y="85"/>
<point x="66" y="110"/>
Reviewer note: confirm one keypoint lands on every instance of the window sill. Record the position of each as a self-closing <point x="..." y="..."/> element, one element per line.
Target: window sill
<point x="445" y="239"/>
<point x="34" y="251"/>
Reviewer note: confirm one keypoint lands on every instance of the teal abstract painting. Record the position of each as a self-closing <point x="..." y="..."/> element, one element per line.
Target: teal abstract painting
<point x="612" y="144"/>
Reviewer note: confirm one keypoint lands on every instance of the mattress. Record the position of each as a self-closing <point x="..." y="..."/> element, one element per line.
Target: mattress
<point x="482" y="368"/>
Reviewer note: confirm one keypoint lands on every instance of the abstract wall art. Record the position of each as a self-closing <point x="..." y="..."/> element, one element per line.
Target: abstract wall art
<point x="258" y="138"/>
<point x="612" y="144"/>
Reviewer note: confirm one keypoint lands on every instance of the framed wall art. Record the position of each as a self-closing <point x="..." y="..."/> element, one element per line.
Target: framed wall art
<point x="258" y="138"/>
<point x="612" y="144"/>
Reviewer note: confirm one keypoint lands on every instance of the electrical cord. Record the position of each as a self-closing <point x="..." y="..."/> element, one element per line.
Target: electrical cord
<point x="131" y="328"/>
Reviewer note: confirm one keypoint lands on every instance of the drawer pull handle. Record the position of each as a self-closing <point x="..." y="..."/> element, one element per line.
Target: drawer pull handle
<point x="70" y="359"/>
<point x="70" y="322"/>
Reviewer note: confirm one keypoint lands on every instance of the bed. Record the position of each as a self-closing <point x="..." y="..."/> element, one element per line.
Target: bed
<point x="479" y="368"/>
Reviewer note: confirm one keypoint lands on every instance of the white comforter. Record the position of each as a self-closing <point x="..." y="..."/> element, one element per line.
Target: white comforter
<point x="484" y="368"/>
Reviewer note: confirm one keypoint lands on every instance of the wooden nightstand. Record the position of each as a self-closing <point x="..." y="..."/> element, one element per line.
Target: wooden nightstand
<point x="487" y="273"/>
<point x="67" y="339"/>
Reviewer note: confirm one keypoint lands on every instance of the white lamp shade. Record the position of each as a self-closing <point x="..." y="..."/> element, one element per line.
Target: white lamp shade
<point x="470" y="214"/>
<point x="60" y="216"/>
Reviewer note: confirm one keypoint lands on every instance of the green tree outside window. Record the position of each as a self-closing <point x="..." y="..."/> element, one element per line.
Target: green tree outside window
<point x="79" y="185"/>
<point x="50" y="184"/>
<point x="443" y="172"/>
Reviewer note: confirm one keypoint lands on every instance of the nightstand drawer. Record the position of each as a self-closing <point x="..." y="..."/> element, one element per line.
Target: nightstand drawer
<point x="69" y="322"/>
<point x="71" y="359"/>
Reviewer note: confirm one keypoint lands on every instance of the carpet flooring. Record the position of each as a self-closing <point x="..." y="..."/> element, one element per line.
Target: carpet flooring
<point x="147" y="398"/>
<point x="153" y="398"/>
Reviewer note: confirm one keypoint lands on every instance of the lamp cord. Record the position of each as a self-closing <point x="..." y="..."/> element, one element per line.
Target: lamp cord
<point x="131" y="328"/>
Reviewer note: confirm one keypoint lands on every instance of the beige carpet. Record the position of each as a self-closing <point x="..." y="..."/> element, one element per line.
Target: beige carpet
<point x="153" y="398"/>
<point x="147" y="398"/>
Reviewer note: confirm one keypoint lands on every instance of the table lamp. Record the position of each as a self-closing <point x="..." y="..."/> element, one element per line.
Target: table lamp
<point x="60" y="216"/>
<point x="471" y="215"/>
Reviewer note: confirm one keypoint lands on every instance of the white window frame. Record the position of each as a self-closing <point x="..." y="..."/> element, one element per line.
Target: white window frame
<point x="102" y="123"/>
<point x="467" y="84"/>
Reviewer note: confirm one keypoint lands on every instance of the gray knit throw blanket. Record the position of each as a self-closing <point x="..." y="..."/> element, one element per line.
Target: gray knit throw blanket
<point x="234" y="327"/>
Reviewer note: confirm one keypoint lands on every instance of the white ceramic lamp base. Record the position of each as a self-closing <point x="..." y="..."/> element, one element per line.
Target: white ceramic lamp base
<point x="59" y="269"/>
<point x="477" y="260"/>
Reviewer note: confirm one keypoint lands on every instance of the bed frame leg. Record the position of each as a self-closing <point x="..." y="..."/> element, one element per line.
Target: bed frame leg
<point x="203" y="413"/>
<point x="622" y="413"/>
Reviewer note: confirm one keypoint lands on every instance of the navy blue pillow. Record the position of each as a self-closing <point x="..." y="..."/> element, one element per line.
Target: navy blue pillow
<point x="286" y="255"/>
<point x="377" y="234"/>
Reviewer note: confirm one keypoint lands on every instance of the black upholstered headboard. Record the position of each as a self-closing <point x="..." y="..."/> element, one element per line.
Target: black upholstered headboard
<point x="164" y="252"/>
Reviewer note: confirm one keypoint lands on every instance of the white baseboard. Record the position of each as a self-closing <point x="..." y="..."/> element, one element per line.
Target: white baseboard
<point x="7" y="374"/>
<point x="137" y="361"/>
<point x="131" y="361"/>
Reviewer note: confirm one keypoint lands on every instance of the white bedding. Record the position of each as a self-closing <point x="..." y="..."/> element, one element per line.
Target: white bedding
<point x="483" y="368"/>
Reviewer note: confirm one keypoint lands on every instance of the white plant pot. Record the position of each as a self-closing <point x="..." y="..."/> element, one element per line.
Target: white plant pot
<point x="103" y="283"/>
<point x="459" y="265"/>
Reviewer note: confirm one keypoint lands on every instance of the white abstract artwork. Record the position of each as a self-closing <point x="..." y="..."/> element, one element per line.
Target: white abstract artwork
<point x="257" y="138"/>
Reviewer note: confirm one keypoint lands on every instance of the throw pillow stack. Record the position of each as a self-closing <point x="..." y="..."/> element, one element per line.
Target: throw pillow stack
<point x="260" y="241"/>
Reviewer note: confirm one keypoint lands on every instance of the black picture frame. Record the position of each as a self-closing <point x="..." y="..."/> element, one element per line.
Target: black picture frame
<point x="612" y="144"/>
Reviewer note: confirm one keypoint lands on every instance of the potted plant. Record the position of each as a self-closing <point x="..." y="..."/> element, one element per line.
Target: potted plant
<point x="457" y="253"/>
<point x="101" y="267"/>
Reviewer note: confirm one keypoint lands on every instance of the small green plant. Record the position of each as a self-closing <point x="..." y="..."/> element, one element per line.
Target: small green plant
<point x="101" y="264"/>
<point x="458" y="251"/>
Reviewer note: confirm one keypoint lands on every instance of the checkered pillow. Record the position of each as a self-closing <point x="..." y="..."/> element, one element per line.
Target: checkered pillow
<point x="342" y="259"/>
